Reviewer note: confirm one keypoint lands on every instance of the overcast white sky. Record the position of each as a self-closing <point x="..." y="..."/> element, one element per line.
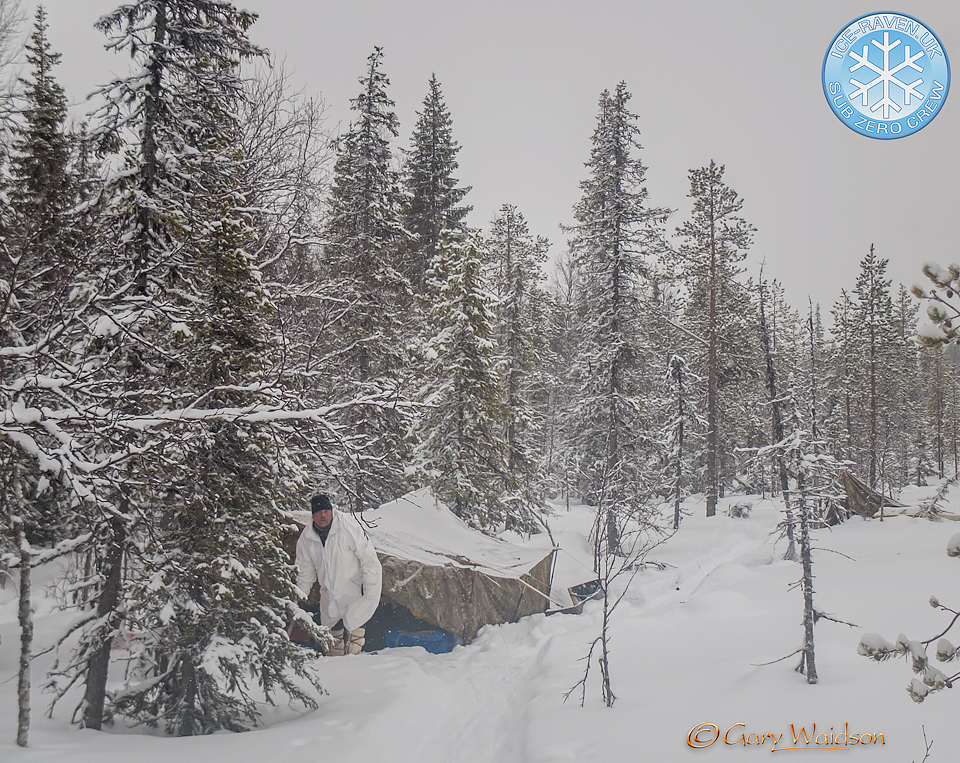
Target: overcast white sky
<point x="737" y="81"/>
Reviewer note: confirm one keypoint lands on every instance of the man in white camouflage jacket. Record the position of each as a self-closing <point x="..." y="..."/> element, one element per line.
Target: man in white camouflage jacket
<point x="336" y="553"/>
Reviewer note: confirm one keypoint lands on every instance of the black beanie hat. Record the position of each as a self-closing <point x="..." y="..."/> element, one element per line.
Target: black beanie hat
<point x="320" y="503"/>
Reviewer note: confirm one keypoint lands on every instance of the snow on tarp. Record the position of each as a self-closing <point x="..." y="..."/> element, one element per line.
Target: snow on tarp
<point x="418" y="527"/>
<point x="451" y="575"/>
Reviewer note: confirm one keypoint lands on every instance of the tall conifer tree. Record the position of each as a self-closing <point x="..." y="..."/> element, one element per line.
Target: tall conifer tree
<point x="560" y="455"/>
<point x="432" y="210"/>
<point x="41" y="188"/>
<point x="840" y="415"/>
<point x="615" y="240"/>
<point x="515" y="257"/>
<point x="34" y="274"/>
<point x="39" y="260"/>
<point x="715" y="240"/>
<point x="866" y="361"/>
<point x="874" y="321"/>
<point x="461" y="450"/>
<point x="364" y="238"/>
<point x="177" y="322"/>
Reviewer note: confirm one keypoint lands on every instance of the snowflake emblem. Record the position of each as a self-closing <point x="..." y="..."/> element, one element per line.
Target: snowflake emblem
<point x="886" y="77"/>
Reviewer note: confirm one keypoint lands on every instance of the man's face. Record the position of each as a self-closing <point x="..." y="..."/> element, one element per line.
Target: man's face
<point x="323" y="518"/>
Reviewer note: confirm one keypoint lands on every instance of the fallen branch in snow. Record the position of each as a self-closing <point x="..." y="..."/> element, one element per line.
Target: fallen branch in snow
<point x="930" y="507"/>
<point x="833" y="551"/>
<point x="779" y="659"/>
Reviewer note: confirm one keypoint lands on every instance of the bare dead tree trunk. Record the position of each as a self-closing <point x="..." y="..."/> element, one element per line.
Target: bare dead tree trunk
<point x="953" y="426"/>
<point x="608" y="567"/>
<point x="808" y="665"/>
<point x="676" y="371"/>
<point x="188" y="673"/>
<point x="98" y="666"/>
<point x="777" y="427"/>
<point x="612" y="532"/>
<point x="606" y="691"/>
<point x="814" y="431"/>
<point x="26" y="626"/>
<point x="635" y="543"/>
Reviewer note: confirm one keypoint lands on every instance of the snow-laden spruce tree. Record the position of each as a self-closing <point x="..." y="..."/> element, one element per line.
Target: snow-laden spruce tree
<point x="184" y="523"/>
<point x="460" y="452"/>
<point x="37" y="263"/>
<point x="868" y="360"/>
<point x="841" y="381"/>
<point x="714" y="242"/>
<point x="939" y="384"/>
<point x="364" y="237"/>
<point x="876" y="331"/>
<point x="35" y="266"/>
<point x="38" y="260"/>
<point x="905" y="420"/>
<point x="141" y="284"/>
<point x="514" y="259"/>
<point x="559" y="461"/>
<point x="41" y="260"/>
<point x="432" y="209"/>
<point x="213" y="600"/>
<point x="616" y="238"/>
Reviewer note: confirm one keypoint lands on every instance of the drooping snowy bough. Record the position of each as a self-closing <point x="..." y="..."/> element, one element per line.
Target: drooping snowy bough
<point x="928" y="677"/>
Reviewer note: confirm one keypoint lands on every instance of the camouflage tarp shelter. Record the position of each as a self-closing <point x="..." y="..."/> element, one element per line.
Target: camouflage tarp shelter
<point x="450" y="575"/>
<point x="861" y="498"/>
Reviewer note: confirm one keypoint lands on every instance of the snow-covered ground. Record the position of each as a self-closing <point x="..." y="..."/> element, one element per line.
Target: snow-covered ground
<point x="686" y="646"/>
